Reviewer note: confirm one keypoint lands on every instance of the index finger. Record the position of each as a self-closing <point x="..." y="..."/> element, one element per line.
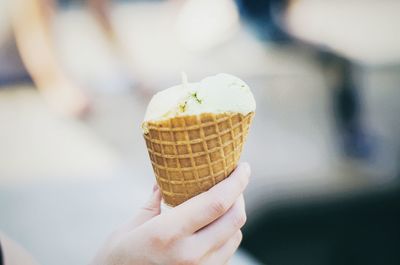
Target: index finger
<point x="206" y="207"/>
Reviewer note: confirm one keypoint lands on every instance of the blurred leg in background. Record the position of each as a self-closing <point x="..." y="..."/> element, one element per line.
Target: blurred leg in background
<point x="33" y="32"/>
<point x="267" y="19"/>
<point x="355" y="141"/>
<point x="101" y="10"/>
<point x="33" y="25"/>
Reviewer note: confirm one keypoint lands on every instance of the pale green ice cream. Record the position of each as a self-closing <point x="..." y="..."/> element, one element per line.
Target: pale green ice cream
<point x="215" y="94"/>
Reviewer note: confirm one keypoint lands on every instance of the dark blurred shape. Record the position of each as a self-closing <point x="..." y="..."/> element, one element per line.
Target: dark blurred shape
<point x="12" y="69"/>
<point x="1" y="256"/>
<point x="264" y="17"/>
<point x="355" y="141"/>
<point x="362" y="230"/>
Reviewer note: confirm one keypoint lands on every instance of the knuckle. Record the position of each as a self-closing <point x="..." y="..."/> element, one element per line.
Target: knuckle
<point x="239" y="220"/>
<point x="239" y="237"/>
<point x="162" y="240"/>
<point x="218" y="207"/>
<point x="156" y="242"/>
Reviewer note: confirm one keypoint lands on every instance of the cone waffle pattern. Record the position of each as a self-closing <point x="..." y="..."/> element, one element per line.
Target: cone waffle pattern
<point x="190" y="154"/>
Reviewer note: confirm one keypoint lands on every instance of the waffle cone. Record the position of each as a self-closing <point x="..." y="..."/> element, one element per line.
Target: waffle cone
<point x="190" y="154"/>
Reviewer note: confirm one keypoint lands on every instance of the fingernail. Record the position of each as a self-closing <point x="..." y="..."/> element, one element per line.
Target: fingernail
<point x="155" y="187"/>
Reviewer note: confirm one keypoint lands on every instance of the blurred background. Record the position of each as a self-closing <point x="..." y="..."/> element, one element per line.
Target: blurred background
<point x="76" y="76"/>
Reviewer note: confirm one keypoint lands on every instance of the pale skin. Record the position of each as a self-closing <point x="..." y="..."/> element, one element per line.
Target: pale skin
<point x="205" y="230"/>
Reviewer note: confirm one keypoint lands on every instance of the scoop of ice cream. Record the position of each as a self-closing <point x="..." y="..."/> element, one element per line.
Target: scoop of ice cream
<point x="215" y="94"/>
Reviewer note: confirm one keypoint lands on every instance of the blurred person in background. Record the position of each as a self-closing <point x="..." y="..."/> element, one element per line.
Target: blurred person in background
<point x="268" y="19"/>
<point x="29" y="50"/>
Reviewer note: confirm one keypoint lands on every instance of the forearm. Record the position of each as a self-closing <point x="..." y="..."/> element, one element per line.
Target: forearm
<point x="31" y="24"/>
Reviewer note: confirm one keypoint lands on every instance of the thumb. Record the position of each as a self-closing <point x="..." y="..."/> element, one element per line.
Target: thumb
<point x="150" y="209"/>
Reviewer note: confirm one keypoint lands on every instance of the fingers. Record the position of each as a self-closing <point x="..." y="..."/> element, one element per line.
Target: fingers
<point x="223" y="255"/>
<point x="220" y="231"/>
<point x="149" y="210"/>
<point x="203" y="209"/>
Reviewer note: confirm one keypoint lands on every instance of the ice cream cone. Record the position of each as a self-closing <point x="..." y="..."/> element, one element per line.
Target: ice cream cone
<point x="192" y="153"/>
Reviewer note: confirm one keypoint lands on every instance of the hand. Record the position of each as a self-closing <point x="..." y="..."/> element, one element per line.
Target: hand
<point x="203" y="230"/>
